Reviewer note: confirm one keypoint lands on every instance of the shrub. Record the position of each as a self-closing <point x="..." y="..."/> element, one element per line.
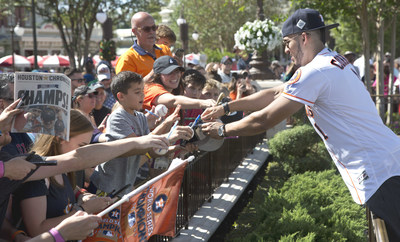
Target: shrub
<point x="300" y="149"/>
<point x="309" y="207"/>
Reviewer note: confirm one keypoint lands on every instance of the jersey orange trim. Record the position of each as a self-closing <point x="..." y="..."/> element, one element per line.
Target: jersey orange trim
<point x="298" y="97"/>
<point x="296" y="76"/>
<point x="349" y="177"/>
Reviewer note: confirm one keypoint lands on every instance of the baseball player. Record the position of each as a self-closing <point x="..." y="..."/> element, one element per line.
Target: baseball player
<point x="365" y="151"/>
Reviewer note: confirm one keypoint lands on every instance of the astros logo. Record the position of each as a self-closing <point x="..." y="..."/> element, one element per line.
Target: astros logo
<point x="296" y="76"/>
<point x="159" y="203"/>
<point x="114" y="214"/>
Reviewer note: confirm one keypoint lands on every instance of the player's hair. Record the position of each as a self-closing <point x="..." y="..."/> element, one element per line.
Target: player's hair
<point x="49" y="145"/>
<point x="122" y="82"/>
<point x="164" y="31"/>
<point x="193" y="77"/>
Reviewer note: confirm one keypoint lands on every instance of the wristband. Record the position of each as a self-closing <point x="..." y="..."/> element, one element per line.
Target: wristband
<point x="2" y="170"/>
<point x="56" y="235"/>
<point x="17" y="233"/>
<point x="148" y="155"/>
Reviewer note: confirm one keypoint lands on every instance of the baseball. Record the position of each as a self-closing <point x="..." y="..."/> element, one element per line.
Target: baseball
<point x="160" y="151"/>
<point x="161" y="110"/>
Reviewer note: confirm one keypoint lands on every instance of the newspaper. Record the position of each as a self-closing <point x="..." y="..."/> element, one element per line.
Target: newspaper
<point x="46" y="101"/>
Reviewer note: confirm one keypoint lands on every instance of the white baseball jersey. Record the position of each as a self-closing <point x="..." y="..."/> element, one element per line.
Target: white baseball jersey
<point x="365" y="151"/>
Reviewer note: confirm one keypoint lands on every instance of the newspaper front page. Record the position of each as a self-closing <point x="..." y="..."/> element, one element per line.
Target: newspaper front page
<point x="46" y="101"/>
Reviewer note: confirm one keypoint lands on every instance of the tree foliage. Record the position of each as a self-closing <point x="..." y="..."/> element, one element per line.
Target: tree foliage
<point x="217" y="21"/>
<point x="75" y="20"/>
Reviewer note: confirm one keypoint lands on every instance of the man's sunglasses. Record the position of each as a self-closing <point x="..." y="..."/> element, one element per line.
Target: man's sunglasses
<point x="147" y="29"/>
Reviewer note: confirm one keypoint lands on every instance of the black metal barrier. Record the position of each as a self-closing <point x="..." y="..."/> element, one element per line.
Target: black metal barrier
<point x="206" y="173"/>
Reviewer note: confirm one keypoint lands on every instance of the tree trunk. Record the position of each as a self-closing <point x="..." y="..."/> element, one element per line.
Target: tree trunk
<point x="391" y="78"/>
<point x="366" y="43"/>
<point x="380" y="104"/>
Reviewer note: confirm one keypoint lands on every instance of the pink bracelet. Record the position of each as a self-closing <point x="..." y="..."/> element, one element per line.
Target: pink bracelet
<point x="1" y="169"/>
<point x="56" y="235"/>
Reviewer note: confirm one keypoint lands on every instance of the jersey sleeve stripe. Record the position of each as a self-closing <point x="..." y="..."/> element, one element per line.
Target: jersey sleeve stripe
<point x="297" y="97"/>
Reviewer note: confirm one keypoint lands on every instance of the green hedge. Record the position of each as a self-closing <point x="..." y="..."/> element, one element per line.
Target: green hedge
<point x="301" y="197"/>
<point x="313" y="206"/>
<point x="300" y="149"/>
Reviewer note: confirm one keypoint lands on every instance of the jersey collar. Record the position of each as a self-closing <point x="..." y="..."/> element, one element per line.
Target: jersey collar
<point x="141" y="51"/>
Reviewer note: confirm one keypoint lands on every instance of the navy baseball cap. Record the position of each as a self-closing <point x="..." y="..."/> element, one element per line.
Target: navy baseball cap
<point x="225" y="59"/>
<point x="165" y="65"/>
<point x="304" y="20"/>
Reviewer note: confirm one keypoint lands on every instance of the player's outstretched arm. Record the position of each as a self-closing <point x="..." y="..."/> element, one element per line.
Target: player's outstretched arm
<point x="254" y="102"/>
<point x="256" y="122"/>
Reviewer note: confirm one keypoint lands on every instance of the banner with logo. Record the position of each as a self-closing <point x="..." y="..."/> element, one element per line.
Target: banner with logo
<point x="149" y="210"/>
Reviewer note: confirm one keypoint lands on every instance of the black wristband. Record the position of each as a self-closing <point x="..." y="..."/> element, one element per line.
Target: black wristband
<point x="226" y="108"/>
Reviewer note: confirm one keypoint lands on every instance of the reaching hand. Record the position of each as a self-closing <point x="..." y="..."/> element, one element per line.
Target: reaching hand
<point x="96" y="204"/>
<point x="210" y="114"/>
<point x="17" y="168"/>
<point x="78" y="226"/>
<point x="170" y="120"/>
<point x="151" y="141"/>
<point x="206" y="103"/>
<point x="8" y="114"/>
<point x="181" y="132"/>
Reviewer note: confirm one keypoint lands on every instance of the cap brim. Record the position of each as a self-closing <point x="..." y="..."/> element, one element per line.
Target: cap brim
<point x="331" y="26"/>
<point x="170" y="69"/>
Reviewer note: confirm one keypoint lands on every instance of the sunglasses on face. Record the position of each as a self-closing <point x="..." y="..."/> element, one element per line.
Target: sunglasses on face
<point x="147" y="29"/>
<point x="79" y="80"/>
<point x="91" y="95"/>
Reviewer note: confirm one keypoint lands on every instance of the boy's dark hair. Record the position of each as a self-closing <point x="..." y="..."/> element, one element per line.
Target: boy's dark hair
<point x="194" y="77"/>
<point x="164" y="31"/>
<point x="70" y="71"/>
<point x="122" y="82"/>
<point x="214" y="75"/>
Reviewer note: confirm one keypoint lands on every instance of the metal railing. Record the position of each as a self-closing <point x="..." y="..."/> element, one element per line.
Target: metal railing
<point x="206" y="173"/>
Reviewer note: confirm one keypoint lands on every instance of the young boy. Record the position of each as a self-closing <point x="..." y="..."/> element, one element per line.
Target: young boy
<point x="165" y="36"/>
<point x="193" y="82"/>
<point x="126" y="121"/>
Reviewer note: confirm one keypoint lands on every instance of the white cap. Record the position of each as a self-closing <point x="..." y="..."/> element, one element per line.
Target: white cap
<point x="103" y="72"/>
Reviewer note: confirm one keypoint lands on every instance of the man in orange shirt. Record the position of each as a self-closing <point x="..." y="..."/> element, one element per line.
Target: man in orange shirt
<point x="141" y="56"/>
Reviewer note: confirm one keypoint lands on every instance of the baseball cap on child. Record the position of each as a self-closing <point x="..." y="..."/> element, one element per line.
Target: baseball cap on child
<point x="226" y="59"/>
<point x="82" y="90"/>
<point x="165" y="65"/>
<point x="304" y="20"/>
<point x="103" y="72"/>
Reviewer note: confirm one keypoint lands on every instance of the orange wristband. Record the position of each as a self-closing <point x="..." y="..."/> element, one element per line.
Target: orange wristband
<point x="17" y="233"/>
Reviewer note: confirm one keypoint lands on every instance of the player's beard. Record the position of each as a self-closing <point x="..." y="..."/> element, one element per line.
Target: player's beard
<point x="298" y="56"/>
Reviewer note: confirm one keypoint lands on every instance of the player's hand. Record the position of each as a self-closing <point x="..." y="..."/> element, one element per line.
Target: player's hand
<point x="17" y="168"/>
<point x="78" y="226"/>
<point x="210" y="114"/>
<point x="8" y="114"/>
<point x="211" y="129"/>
